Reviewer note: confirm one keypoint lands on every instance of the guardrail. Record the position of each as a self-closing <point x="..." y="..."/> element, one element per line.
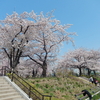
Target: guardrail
<point x="81" y="97"/>
<point x="25" y="86"/>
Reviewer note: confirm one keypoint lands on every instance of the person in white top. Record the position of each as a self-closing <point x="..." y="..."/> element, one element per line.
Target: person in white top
<point x="91" y="79"/>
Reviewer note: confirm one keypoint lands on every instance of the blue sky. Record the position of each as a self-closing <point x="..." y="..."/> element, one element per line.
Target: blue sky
<point x="83" y="14"/>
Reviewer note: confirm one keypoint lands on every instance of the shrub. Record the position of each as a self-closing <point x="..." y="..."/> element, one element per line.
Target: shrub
<point x="47" y="85"/>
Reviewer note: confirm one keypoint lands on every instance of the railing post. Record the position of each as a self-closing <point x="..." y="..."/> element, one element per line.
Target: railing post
<point x="42" y="97"/>
<point x="12" y="75"/>
<point x="50" y="97"/>
<point x="2" y="71"/>
<point x="30" y="92"/>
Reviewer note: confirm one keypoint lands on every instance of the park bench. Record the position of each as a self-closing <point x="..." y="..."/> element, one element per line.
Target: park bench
<point x="92" y="91"/>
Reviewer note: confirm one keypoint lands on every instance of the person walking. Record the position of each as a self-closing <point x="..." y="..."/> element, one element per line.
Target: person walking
<point x="95" y="81"/>
<point x="91" y="79"/>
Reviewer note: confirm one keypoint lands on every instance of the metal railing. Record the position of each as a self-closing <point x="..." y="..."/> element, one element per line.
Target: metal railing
<point x="92" y="91"/>
<point x="25" y="86"/>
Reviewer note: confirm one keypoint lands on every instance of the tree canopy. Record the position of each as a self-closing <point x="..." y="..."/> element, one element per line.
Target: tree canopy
<point x="81" y="58"/>
<point x="35" y="36"/>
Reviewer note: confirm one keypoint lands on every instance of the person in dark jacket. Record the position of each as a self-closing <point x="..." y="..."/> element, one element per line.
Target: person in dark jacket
<point x="95" y="81"/>
<point x="85" y="92"/>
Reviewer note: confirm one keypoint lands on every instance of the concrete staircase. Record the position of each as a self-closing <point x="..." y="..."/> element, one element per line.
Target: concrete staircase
<point x="8" y="92"/>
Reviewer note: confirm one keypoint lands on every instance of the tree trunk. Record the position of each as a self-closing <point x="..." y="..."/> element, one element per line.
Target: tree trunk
<point x="94" y="72"/>
<point x="14" y="57"/>
<point x="44" y="67"/>
<point x="89" y="71"/>
<point x="13" y="63"/>
<point x="34" y="73"/>
<point x="80" y="72"/>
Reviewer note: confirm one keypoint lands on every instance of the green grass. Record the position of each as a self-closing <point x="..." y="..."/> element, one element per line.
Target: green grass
<point x="61" y="88"/>
<point x="96" y="97"/>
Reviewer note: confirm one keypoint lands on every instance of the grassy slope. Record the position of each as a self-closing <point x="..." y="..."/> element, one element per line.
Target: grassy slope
<point x="60" y="88"/>
<point x="96" y="96"/>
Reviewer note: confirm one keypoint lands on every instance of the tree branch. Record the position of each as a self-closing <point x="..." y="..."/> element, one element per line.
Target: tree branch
<point x="6" y="52"/>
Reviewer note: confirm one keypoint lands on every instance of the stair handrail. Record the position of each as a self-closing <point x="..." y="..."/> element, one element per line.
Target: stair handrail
<point x="9" y="70"/>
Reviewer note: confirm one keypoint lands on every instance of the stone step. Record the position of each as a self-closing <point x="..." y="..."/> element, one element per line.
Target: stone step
<point x="1" y="77"/>
<point x="14" y="97"/>
<point x="4" y="85"/>
<point x="19" y="99"/>
<point x="8" y="94"/>
<point x="8" y="87"/>
<point x="7" y="91"/>
<point x="2" y="81"/>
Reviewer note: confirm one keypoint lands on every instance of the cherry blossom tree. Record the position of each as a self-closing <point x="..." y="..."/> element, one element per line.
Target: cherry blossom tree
<point x="47" y="43"/>
<point x="13" y="37"/>
<point x="76" y="59"/>
<point x="35" y="36"/>
<point x="27" y="68"/>
<point x="81" y="58"/>
<point x="93" y="61"/>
